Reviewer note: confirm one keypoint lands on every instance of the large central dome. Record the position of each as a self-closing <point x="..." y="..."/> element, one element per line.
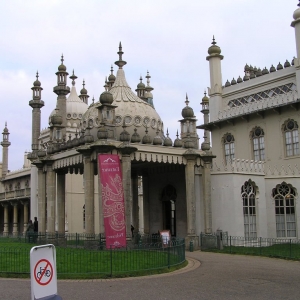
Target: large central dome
<point x="131" y="111"/>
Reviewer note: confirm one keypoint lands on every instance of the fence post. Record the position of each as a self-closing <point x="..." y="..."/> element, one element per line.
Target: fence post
<point x="76" y="241"/>
<point x="169" y="255"/>
<point x="230" y="243"/>
<point x="290" y="248"/>
<point x="260" y="246"/>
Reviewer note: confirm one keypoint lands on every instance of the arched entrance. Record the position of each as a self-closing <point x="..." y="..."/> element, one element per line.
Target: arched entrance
<point x="169" y="196"/>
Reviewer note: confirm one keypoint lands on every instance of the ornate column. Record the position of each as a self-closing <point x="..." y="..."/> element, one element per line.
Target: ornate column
<point x="51" y="197"/>
<point x="25" y="212"/>
<point x="126" y="172"/>
<point x="61" y="196"/>
<point x="88" y="175"/>
<point x="141" y="205"/>
<point x="5" y="229"/>
<point x="206" y="183"/>
<point x="15" y="218"/>
<point x="190" y="156"/>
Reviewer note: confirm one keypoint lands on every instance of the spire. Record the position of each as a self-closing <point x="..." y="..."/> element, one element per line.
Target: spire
<point x="120" y="63"/>
<point x="214" y="41"/>
<point x="187" y="100"/>
<point x="73" y="77"/>
<point x="5" y="144"/>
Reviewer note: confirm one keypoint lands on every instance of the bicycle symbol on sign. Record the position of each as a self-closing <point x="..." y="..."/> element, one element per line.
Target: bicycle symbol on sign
<point x="42" y="271"/>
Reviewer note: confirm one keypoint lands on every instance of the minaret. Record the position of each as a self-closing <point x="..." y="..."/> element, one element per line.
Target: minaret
<point x="83" y="93"/>
<point x="296" y="25"/>
<point x="36" y="103"/>
<point x="61" y="90"/>
<point x="205" y="110"/>
<point x="140" y="89"/>
<point x="111" y="78"/>
<point x="215" y="90"/>
<point x="148" y="89"/>
<point x="5" y="144"/>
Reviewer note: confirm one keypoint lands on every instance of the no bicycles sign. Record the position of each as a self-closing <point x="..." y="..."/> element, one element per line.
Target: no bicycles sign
<point x="43" y="272"/>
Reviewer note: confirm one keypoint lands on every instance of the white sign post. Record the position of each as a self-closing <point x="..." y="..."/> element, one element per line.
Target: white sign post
<point x="43" y="272"/>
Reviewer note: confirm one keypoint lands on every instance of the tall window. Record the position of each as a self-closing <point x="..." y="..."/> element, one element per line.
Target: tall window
<point x="291" y="137"/>
<point x="228" y="140"/>
<point x="248" y="192"/>
<point x="284" y="196"/>
<point x="258" y="143"/>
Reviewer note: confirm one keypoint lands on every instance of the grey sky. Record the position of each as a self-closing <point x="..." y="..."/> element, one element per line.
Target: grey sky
<point x="169" y="38"/>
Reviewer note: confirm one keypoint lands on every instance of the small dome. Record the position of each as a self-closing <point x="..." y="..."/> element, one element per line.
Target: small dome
<point x="279" y="66"/>
<point x="246" y="78"/>
<point x="124" y="136"/>
<point x="111" y="77"/>
<point x="272" y="69"/>
<point x="147" y="138"/>
<point x="296" y="14"/>
<point x="205" y="99"/>
<point x="56" y="119"/>
<point x="157" y="139"/>
<point x="265" y="71"/>
<point x="62" y="68"/>
<point x="37" y="83"/>
<point x="287" y="64"/>
<point x="259" y="72"/>
<point x="227" y="83"/>
<point x="247" y="68"/>
<point x="187" y="112"/>
<point x="135" y="138"/>
<point x="141" y="85"/>
<point x="178" y="143"/>
<point x="233" y="81"/>
<point x="83" y="91"/>
<point x="106" y="98"/>
<point x="239" y="80"/>
<point x="167" y="141"/>
<point x="214" y="49"/>
<point x="252" y="75"/>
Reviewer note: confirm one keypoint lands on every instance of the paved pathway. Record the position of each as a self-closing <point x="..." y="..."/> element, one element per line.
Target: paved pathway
<point x="208" y="276"/>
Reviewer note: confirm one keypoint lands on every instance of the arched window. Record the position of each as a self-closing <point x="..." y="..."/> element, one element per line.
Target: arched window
<point x="228" y="141"/>
<point x="290" y="129"/>
<point x="248" y="192"/>
<point x="284" y="195"/>
<point x="258" y="140"/>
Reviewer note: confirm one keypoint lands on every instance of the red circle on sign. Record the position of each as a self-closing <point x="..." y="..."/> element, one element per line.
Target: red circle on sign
<point x="45" y="271"/>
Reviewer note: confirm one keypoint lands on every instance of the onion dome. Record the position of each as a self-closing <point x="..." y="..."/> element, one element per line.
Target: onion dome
<point x="62" y="67"/>
<point x="205" y="146"/>
<point x="252" y="75"/>
<point x="102" y="133"/>
<point x="188" y="143"/>
<point x="135" y="138"/>
<point x="233" y="81"/>
<point x="205" y="99"/>
<point x="272" y="69"/>
<point x="111" y="77"/>
<point x="168" y="141"/>
<point x="214" y="49"/>
<point x="259" y="72"/>
<point x="56" y="119"/>
<point x="247" y="68"/>
<point x="177" y="142"/>
<point x="106" y="98"/>
<point x="251" y="69"/>
<point x="255" y="70"/>
<point x="141" y="85"/>
<point x="88" y="138"/>
<point x="37" y="83"/>
<point x="157" y="139"/>
<point x="227" y="83"/>
<point x="265" y="71"/>
<point x="83" y="91"/>
<point x="146" y="138"/>
<point x="245" y="78"/>
<point x="296" y="14"/>
<point x="50" y="149"/>
<point x="124" y="135"/>
<point x="75" y="141"/>
<point x="239" y="80"/>
<point x="287" y="64"/>
<point x="187" y="112"/>
<point x="279" y="66"/>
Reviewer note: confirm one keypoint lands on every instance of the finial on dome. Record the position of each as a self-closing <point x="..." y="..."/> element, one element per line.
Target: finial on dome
<point x="73" y="77"/>
<point x="37" y="75"/>
<point x="62" y="59"/>
<point x="111" y="70"/>
<point x="214" y="41"/>
<point x="167" y="132"/>
<point x="177" y="135"/>
<point x="205" y="93"/>
<point x="93" y="100"/>
<point x="148" y="78"/>
<point x="187" y="100"/>
<point x="120" y="63"/>
<point x="106" y="84"/>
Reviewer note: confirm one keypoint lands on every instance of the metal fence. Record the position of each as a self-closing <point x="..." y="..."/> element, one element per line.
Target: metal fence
<point x="272" y="247"/>
<point x="75" y="258"/>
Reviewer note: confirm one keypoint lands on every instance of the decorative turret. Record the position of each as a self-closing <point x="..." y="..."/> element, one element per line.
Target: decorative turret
<point x="140" y="90"/>
<point x="36" y="103"/>
<point x="61" y="90"/>
<point x="146" y="138"/>
<point x="188" y="125"/>
<point x="84" y="93"/>
<point x="111" y="78"/>
<point x="167" y="141"/>
<point x="178" y="141"/>
<point x="148" y="89"/>
<point x="205" y="111"/>
<point x="157" y="139"/>
<point x="215" y="90"/>
<point x="135" y="138"/>
<point x="5" y="144"/>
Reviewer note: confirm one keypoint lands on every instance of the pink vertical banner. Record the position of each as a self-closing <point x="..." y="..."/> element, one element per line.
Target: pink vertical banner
<point x="110" y="178"/>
